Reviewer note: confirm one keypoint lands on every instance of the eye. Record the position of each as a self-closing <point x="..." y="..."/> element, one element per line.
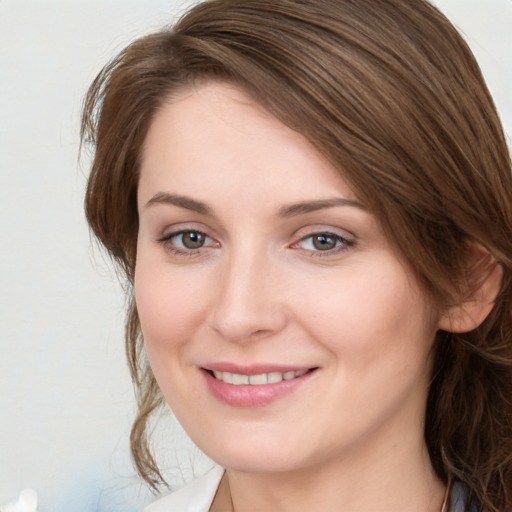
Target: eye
<point x="324" y="242"/>
<point x="190" y="239"/>
<point x="186" y="242"/>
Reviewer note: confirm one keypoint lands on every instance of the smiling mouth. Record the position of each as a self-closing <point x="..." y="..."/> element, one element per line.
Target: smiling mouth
<point x="261" y="379"/>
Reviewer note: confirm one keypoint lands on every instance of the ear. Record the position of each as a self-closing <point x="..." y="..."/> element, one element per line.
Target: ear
<point x="483" y="283"/>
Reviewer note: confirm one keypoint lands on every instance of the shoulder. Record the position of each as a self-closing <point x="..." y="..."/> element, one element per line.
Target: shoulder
<point x="197" y="496"/>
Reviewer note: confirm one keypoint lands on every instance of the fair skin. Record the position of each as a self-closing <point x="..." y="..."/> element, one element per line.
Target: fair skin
<point x="254" y="257"/>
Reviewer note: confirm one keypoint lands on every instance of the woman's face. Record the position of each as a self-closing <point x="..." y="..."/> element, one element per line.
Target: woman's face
<point x="283" y="329"/>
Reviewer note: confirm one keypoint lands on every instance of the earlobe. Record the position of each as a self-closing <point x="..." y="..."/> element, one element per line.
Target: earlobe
<point x="484" y="283"/>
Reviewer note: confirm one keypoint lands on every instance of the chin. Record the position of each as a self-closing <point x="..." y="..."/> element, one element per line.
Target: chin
<point x="245" y="462"/>
<point x="248" y="454"/>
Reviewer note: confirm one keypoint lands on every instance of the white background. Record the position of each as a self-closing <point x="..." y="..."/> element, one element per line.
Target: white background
<point x="65" y="398"/>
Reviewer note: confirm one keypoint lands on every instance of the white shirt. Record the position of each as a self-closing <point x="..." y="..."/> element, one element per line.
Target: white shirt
<point x="197" y="496"/>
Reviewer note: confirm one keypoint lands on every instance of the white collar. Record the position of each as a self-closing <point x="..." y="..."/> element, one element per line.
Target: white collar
<point x="197" y="496"/>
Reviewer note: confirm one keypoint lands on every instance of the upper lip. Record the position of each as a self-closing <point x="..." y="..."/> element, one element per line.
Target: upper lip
<point x="254" y="369"/>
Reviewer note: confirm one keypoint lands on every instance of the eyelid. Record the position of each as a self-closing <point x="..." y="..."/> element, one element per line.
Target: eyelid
<point x="317" y="229"/>
<point x="184" y="227"/>
<point x="181" y="231"/>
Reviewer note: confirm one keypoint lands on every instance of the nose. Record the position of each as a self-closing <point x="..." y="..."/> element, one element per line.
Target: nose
<point x="247" y="302"/>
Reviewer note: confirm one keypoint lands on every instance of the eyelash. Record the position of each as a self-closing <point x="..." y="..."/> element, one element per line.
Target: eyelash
<point x="342" y="243"/>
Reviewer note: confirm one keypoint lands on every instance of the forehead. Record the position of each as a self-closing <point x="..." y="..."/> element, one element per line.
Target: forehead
<point x="214" y="137"/>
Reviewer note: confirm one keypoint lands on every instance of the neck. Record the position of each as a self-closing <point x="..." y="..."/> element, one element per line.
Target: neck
<point x="396" y="477"/>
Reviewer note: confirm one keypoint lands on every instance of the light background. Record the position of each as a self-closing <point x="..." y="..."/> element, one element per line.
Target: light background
<point x="65" y="398"/>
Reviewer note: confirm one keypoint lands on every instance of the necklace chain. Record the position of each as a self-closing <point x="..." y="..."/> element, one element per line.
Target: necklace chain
<point x="445" y="505"/>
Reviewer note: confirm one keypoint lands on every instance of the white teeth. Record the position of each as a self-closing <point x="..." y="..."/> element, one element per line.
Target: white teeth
<point x="257" y="380"/>
<point x="274" y="377"/>
<point x="238" y="379"/>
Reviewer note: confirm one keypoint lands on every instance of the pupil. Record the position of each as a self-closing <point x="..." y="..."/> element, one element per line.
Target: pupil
<point x="324" y="242"/>
<point x="193" y="240"/>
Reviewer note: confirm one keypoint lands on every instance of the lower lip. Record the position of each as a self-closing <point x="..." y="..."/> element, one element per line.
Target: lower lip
<point x="247" y="395"/>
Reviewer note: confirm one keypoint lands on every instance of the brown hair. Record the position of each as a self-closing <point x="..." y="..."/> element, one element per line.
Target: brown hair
<point x="390" y="93"/>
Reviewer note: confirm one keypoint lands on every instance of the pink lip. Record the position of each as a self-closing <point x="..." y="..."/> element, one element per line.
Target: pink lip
<point x="247" y="395"/>
<point x="254" y="369"/>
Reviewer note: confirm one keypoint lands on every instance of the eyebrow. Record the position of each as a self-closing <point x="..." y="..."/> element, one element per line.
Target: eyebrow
<point x="291" y="210"/>
<point x="312" y="206"/>
<point x="182" y="201"/>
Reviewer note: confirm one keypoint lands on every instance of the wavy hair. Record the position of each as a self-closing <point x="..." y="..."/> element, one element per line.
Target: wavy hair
<point x="391" y="94"/>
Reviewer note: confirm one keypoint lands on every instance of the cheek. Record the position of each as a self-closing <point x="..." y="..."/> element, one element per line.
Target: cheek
<point x="380" y="314"/>
<point x="378" y="334"/>
<point x="168" y="306"/>
<point x="170" y="312"/>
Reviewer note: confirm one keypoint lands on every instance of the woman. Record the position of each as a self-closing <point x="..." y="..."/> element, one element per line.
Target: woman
<point x="311" y="201"/>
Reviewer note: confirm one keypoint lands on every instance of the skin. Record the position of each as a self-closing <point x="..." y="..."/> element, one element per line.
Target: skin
<point x="258" y="291"/>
